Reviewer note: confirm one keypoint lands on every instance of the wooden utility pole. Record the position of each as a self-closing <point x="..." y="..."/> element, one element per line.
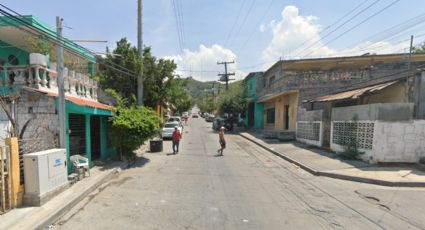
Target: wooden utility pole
<point x="140" y="52"/>
<point x="60" y="66"/>
<point x="225" y="76"/>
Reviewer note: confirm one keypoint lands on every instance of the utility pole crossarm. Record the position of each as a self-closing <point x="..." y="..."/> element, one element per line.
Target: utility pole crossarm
<point x="225" y="76"/>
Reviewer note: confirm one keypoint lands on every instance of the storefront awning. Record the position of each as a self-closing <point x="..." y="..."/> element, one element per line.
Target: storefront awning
<point x="351" y="94"/>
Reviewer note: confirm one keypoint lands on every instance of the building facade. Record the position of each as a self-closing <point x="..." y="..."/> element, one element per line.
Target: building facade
<point x="29" y="86"/>
<point x="254" y="113"/>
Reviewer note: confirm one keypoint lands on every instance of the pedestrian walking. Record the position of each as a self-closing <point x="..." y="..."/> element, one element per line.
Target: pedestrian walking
<point x="176" y="136"/>
<point x="222" y="141"/>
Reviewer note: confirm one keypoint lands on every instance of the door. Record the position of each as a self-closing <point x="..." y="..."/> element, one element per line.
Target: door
<point x="251" y="114"/>
<point x="286" y="116"/>
<point x="95" y="137"/>
<point x="77" y="137"/>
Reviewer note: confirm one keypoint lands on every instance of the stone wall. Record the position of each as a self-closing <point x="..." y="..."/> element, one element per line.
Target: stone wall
<point x="38" y="121"/>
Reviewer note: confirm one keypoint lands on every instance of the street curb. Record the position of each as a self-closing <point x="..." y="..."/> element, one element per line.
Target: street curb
<point x="42" y="224"/>
<point x="337" y="175"/>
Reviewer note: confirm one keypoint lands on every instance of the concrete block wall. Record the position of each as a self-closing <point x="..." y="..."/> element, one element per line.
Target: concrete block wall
<point x="315" y="83"/>
<point x="306" y="132"/>
<point x="399" y="141"/>
<point x="372" y="112"/>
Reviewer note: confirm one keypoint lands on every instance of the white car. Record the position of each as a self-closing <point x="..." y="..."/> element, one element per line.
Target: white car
<point x="168" y="129"/>
<point x="175" y="119"/>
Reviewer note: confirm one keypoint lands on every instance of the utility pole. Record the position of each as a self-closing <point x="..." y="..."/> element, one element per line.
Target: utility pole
<point x="408" y="68"/>
<point x="225" y="76"/>
<point x="59" y="59"/>
<point x="140" y="51"/>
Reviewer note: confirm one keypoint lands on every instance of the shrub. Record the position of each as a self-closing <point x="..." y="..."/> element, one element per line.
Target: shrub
<point x="132" y="127"/>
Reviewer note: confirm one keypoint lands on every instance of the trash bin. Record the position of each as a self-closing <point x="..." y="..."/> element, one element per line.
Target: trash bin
<point x="156" y="145"/>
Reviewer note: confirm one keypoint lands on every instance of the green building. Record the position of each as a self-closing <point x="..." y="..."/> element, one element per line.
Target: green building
<point x="29" y="83"/>
<point x="254" y="117"/>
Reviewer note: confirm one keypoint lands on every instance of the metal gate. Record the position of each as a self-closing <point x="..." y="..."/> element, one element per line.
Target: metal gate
<point x="5" y="180"/>
<point x="77" y="137"/>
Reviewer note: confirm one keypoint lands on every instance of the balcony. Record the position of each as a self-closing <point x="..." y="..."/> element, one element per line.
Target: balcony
<point x="38" y="75"/>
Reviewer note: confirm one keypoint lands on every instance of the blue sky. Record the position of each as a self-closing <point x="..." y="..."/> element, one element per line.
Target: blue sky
<point x="208" y="24"/>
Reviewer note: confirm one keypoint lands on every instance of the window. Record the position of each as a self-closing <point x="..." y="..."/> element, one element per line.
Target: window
<point x="264" y="82"/>
<point x="13" y="60"/>
<point x="270" y="115"/>
<point x="271" y="80"/>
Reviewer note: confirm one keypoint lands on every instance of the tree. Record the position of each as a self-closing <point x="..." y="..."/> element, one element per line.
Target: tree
<point x="233" y="101"/>
<point x="132" y="125"/>
<point x="420" y="49"/>
<point x="160" y="85"/>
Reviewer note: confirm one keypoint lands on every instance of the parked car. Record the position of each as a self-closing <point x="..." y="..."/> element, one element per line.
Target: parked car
<point x="168" y="129"/>
<point x="209" y="118"/>
<point x="185" y="114"/>
<point x="175" y="119"/>
<point x="217" y="123"/>
<point x="194" y="115"/>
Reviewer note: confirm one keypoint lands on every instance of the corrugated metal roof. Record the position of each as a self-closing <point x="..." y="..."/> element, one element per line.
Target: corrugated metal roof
<point x="352" y="94"/>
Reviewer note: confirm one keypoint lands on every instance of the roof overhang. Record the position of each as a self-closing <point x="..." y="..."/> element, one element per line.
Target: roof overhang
<point x="16" y="33"/>
<point x="271" y="96"/>
<point x="352" y="94"/>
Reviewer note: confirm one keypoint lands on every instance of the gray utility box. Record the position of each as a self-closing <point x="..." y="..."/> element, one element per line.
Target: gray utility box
<point x="45" y="175"/>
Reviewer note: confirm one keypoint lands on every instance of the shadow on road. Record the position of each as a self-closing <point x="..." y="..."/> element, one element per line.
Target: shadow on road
<point x="139" y="161"/>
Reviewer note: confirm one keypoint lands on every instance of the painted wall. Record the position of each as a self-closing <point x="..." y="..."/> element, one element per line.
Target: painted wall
<point x="268" y="105"/>
<point x="378" y="111"/>
<point x="279" y="104"/>
<point x="393" y="94"/>
<point x="5" y="51"/>
<point x="399" y="141"/>
<point x="259" y="116"/>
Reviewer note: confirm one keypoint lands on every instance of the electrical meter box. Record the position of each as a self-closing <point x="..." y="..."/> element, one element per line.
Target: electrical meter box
<point x="45" y="175"/>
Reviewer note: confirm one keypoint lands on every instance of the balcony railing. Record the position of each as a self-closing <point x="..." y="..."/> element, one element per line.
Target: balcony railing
<point x="39" y="76"/>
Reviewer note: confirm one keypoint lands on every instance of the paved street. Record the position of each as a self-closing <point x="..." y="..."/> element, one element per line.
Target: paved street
<point x="247" y="188"/>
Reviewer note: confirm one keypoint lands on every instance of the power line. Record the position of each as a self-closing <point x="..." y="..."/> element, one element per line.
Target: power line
<point x="234" y="24"/>
<point x="258" y="24"/>
<point x="244" y="19"/>
<point x="178" y="24"/>
<point x="335" y="23"/>
<point x="33" y="30"/>
<point x="357" y="25"/>
<point x="338" y="27"/>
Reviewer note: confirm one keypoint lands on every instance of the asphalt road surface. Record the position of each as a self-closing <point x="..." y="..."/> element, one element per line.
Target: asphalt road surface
<point x="247" y="188"/>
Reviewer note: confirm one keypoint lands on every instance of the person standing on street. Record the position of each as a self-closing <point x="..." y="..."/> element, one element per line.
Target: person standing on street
<point x="222" y="141"/>
<point x="176" y="140"/>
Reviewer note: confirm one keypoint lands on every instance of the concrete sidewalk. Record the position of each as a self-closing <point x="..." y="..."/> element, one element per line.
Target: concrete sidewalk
<point x="322" y="163"/>
<point x="41" y="217"/>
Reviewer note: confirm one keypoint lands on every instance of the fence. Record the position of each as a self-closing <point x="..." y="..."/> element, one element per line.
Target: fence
<point x="5" y="180"/>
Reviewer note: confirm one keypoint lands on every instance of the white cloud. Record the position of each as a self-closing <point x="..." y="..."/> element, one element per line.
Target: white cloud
<point x="202" y="65"/>
<point x="298" y="36"/>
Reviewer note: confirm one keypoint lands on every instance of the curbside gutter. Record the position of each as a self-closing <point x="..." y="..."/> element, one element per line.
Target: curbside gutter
<point x="54" y="216"/>
<point x="337" y="175"/>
